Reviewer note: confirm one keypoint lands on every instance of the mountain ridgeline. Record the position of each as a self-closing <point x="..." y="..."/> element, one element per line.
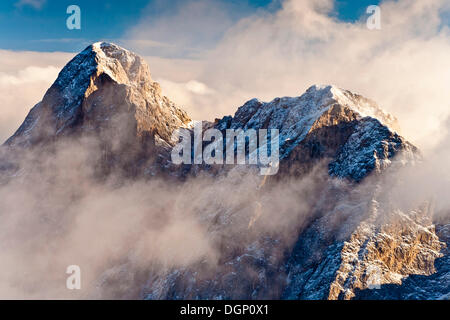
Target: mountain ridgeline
<point x="342" y="236"/>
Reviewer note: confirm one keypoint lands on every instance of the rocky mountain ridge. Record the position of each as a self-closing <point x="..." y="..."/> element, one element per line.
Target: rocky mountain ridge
<point x="102" y="81"/>
<point x="354" y="238"/>
<point x="327" y="122"/>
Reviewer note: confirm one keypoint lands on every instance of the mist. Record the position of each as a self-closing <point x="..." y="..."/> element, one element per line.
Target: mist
<point x="56" y="212"/>
<point x="404" y="67"/>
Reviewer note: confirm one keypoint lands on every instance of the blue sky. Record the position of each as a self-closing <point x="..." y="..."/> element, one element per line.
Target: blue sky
<point x="40" y="25"/>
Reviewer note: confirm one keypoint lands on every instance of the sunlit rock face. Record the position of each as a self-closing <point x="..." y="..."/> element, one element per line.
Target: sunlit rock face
<point x="107" y="92"/>
<point x="325" y="227"/>
<point x="95" y="88"/>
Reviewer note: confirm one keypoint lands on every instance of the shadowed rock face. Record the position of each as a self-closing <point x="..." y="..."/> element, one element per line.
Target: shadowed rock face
<point x="357" y="247"/>
<point x="354" y="237"/>
<point x="326" y="123"/>
<point x="104" y="86"/>
<point x="106" y="92"/>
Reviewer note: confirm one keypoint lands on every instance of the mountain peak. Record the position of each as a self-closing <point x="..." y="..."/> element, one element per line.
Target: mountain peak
<point x="363" y="106"/>
<point x="110" y="56"/>
<point x="98" y="84"/>
<point x="326" y="122"/>
<point x="295" y="117"/>
<point x="121" y="65"/>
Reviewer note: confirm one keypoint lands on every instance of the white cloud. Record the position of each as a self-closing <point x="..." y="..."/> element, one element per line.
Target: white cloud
<point x="36" y="4"/>
<point x="404" y="66"/>
<point x="183" y="28"/>
<point x="198" y="87"/>
<point x="24" y="79"/>
<point x="29" y="74"/>
<point x="187" y="94"/>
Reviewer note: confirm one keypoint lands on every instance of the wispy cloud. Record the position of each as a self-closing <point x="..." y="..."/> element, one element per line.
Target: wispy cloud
<point x="24" y="78"/>
<point x="29" y="74"/>
<point x="184" y="28"/>
<point x="60" y="40"/>
<point x="404" y="66"/>
<point x="36" y="4"/>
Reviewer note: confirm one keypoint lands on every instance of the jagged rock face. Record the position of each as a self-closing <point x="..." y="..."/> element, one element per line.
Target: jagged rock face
<point x="327" y="122"/>
<point x="435" y="286"/>
<point x="354" y="237"/>
<point x="104" y="86"/>
<point x="106" y="92"/>
<point x="353" y="243"/>
<point x="360" y="244"/>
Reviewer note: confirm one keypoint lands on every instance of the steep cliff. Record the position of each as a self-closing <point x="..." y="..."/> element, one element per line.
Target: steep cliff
<point x="324" y="227"/>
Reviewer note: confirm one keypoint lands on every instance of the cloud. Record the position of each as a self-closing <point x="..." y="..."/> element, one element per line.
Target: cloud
<point x="198" y="87"/>
<point x="124" y="233"/>
<point x="404" y="66"/>
<point x="183" y="28"/>
<point x="281" y="52"/>
<point x="24" y="79"/>
<point x="36" y="4"/>
<point x="187" y="94"/>
<point x="28" y="75"/>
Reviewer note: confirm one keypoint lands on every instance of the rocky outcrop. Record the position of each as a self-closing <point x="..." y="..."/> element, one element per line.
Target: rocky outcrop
<point x="103" y="86"/>
<point x="356" y="240"/>
<point x="352" y="237"/>
<point x="434" y="286"/>
<point x="106" y="92"/>
<point x="326" y="123"/>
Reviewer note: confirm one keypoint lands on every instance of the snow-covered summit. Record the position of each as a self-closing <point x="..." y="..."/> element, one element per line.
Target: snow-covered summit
<point x="121" y="65"/>
<point x="326" y="121"/>
<point x="285" y="111"/>
<point x="296" y="117"/>
<point x="364" y="106"/>
<point x="95" y="87"/>
<point x="107" y="91"/>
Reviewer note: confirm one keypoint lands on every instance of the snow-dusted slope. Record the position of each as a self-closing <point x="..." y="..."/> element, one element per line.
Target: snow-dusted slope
<point x="326" y="121"/>
<point x="295" y="116"/>
<point x="357" y="238"/>
<point x="93" y="90"/>
<point x="354" y="236"/>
